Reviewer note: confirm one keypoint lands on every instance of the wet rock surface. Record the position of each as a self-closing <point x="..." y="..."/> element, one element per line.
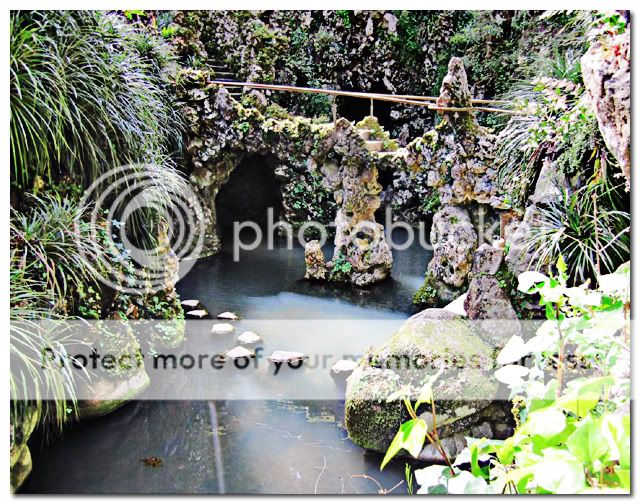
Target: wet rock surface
<point x="430" y="340"/>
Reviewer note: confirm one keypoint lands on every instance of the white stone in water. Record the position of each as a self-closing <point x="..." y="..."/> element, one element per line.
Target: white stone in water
<point x="190" y="303"/>
<point x="284" y="356"/>
<point x="249" y="338"/>
<point x="197" y="313"/>
<point x="239" y="352"/>
<point x="343" y="367"/>
<point x="222" y="328"/>
<point x="228" y="316"/>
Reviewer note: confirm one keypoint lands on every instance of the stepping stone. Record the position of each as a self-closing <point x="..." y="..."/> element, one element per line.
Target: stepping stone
<point x="284" y="356"/>
<point x="222" y="328"/>
<point x="249" y="338"/>
<point x="228" y="316"/>
<point x="342" y="369"/>
<point x="239" y="352"/>
<point x="190" y="303"/>
<point x="365" y="134"/>
<point x="197" y="313"/>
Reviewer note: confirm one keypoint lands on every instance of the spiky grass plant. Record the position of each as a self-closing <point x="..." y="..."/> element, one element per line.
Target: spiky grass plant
<point x="46" y="270"/>
<point x="586" y="228"/>
<point x="88" y="92"/>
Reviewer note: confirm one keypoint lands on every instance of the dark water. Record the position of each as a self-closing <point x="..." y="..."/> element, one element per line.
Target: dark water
<point x="242" y="446"/>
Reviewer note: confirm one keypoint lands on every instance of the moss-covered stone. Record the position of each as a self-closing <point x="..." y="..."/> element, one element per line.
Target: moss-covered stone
<point x="111" y="394"/>
<point x="429" y="341"/>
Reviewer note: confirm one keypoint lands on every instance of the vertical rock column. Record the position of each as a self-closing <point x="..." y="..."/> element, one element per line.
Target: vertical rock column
<point x="458" y="157"/>
<point x="361" y="254"/>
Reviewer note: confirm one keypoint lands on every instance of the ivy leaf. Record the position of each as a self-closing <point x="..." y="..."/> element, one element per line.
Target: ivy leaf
<point x="616" y="282"/>
<point x="587" y="443"/>
<point x="528" y="279"/>
<point x="426" y="392"/>
<point x="410" y="437"/>
<point x="546" y="423"/>
<point x="583" y="394"/>
<point x="546" y="338"/>
<point x="513" y="351"/>
<point x="511" y="374"/>
<point x="466" y="483"/>
<point x="559" y="472"/>
<point x="432" y="479"/>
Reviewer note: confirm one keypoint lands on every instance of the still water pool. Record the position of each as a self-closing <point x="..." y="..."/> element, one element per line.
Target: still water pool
<point x="244" y="446"/>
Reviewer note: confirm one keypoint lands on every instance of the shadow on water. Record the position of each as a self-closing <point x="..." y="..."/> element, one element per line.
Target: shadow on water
<point x="256" y="446"/>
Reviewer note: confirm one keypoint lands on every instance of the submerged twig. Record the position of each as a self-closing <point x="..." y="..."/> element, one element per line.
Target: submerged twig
<point x="324" y="466"/>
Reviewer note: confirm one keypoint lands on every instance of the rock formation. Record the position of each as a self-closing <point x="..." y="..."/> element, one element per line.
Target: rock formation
<point x="433" y="339"/>
<point x="606" y="71"/>
<point x="327" y="160"/>
<point x="458" y="158"/>
<point x="486" y="302"/>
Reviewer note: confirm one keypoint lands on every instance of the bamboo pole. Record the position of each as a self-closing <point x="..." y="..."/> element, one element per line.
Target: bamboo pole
<point x="420" y="101"/>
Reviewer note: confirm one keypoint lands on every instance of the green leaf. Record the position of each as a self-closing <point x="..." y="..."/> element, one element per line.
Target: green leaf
<point x="587" y="443"/>
<point x="546" y="422"/>
<point x="562" y="266"/>
<point x="583" y="394"/>
<point x="511" y="374"/>
<point x="513" y="351"/>
<point x="559" y="472"/>
<point x="426" y="392"/>
<point x="466" y="483"/>
<point x="432" y="479"/>
<point x="410" y="437"/>
<point x="528" y="279"/>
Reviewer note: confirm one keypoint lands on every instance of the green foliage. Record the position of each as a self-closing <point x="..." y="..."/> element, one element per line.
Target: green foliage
<point x="427" y="294"/>
<point x="46" y="271"/>
<point x="88" y="92"/>
<point x="343" y="15"/>
<point x="585" y="228"/>
<point x="341" y="267"/>
<point x="573" y="435"/>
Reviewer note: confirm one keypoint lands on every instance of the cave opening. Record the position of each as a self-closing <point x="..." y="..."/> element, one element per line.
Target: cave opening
<point x="251" y="190"/>
<point x="385" y="179"/>
<point x="356" y="109"/>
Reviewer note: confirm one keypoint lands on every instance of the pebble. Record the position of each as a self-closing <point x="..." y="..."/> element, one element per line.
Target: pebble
<point x="249" y="338"/>
<point x="222" y="328"/>
<point x="284" y="356"/>
<point x="239" y="352"/>
<point x="228" y="316"/>
<point x="197" y="313"/>
<point x="190" y="303"/>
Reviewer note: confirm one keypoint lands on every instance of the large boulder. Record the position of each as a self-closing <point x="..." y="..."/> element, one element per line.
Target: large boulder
<point x="606" y="71"/>
<point x="19" y="456"/>
<point x="428" y="341"/>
